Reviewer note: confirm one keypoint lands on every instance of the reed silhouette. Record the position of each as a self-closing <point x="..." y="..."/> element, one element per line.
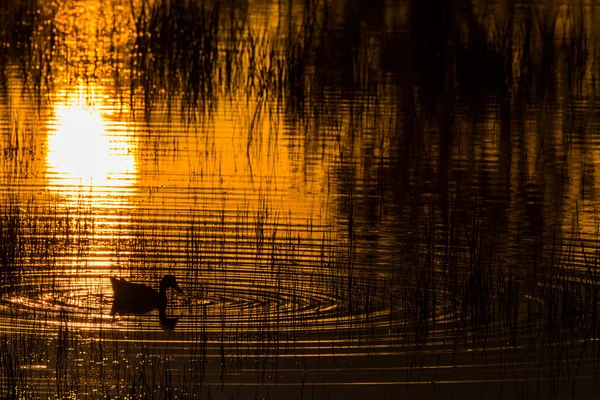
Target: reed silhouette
<point x="454" y="147"/>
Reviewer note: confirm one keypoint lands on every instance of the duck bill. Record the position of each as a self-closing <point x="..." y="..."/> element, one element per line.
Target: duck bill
<point x="176" y="287"/>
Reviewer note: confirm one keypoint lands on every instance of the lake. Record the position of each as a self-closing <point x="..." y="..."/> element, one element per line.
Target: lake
<point x="358" y="199"/>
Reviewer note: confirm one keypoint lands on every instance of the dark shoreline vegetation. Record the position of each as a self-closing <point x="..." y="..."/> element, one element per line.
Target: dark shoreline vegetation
<point x="396" y="98"/>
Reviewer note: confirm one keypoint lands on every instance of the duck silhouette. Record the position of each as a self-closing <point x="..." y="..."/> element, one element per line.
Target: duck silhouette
<point x="137" y="298"/>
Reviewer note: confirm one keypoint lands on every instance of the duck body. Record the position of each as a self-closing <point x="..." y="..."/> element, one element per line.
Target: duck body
<point x="137" y="298"/>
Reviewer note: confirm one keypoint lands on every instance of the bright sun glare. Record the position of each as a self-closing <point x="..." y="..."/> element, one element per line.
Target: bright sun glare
<point x="81" y="153"/>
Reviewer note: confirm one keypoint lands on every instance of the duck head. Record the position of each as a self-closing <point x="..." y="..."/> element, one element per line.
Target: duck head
<point x="168" y="281"/>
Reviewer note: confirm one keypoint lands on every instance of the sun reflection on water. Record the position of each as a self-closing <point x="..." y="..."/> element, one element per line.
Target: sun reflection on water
<point x="87" y="153"/>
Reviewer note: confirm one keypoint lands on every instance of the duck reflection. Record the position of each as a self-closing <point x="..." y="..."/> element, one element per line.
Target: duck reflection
<point x="137" y="299"/>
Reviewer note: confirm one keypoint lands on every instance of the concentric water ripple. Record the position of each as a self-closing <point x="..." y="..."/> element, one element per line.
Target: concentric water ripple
<point x="233" y="302"/>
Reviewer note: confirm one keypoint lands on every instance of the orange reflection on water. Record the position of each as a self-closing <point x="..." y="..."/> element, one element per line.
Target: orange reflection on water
<point x="88" y="152"/>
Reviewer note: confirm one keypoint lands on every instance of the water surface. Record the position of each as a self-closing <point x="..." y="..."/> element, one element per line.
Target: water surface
<point x="358" y="199"/>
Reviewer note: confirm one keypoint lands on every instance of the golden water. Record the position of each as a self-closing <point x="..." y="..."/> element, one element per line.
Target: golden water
<point x="338" y="232"/>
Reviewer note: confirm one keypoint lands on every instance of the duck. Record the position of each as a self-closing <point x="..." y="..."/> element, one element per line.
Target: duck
<point x="137" y="298"/>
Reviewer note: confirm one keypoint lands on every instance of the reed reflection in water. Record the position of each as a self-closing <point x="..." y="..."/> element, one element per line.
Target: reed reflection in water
<point x="358" y="199"/>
